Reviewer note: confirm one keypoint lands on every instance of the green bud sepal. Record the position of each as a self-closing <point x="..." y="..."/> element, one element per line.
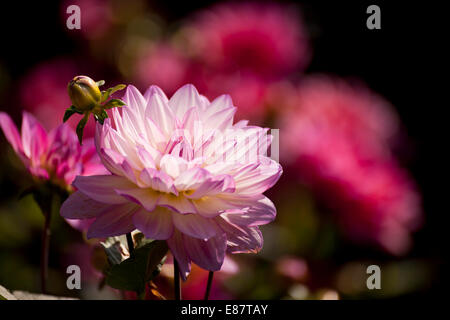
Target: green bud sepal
<point x="87" y="98"/>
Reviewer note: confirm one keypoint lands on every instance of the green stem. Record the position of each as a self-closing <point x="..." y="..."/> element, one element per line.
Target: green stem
<point x="209" y="284"/>
<point x="176" y="279"/>
<point x="45" y="251"/>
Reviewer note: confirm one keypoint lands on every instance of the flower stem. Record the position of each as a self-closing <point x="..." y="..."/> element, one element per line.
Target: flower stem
<point x="45" y="251"/>
<point x="130" y="243"/>
<point x="209" y="284"/>
<point x="176" y="280"/>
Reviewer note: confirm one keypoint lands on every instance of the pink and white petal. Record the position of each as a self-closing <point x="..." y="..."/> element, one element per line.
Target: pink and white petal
<point x="217" y="105"/>
<point x="257" y="212"/>
<point x="156" y="224"/>
<point x="191" y="179"/>
<point x="154" y="90"/>
<point x="112" y="161"/>
<point x="253" y="181"/>
<point x="116" y="142"/>
<point x="251" y="144"/>
<point x="80" y="206"/>
<point x="176" y="246"/>
<point x="34" y="137"/>
<point x="144" y="197"/>
<point x="212" y="206"/>
<point x="158" y="111"/>
<point x="115" y="221"/>
<point x="155" y="134"/>
<point x="102" y="188"/>
<point x="39" y="143"/>
<point x="173" y="165"/>
<point x="214" y="185"/>
<point x="241" y="239"/>
<point x="134" y="99"/>
<point x="177" y="204"/>
<point x="204" y="102"/>
<point x="10" y="131"/>
<point x="80" y="225"/>
<point x="157" y="180"/>
<point x="146" y="158"/>
<point x="185" y="98"/>
<point x="128" y="171"/>
<point x="207" y="254"/>
<point x="194" y="225"/>
<point x="240" y="124"/>
<point x="221" y="120"/>
<point x="190" y="120"/>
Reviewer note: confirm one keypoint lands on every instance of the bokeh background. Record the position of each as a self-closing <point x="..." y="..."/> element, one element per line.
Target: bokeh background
<point x="351" y="104"/>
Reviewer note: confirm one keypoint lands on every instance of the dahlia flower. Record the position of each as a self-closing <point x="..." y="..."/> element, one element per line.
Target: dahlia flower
<point x="265" y="39"/>
<point x="55" y="156"/>
<point x="181" y="171"/>
<point x="338" y="138"/>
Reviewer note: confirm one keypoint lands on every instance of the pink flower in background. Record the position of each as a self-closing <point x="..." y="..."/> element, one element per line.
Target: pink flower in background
<point x="55" y="156"/>
<point x="248" y="91"/>
<point x="292" y="267"/>
<point x="352" y="116"/>
<point x="267" y="40"/>
<point x="162" y="65"/>
<point x="181" y="172"/>
<point x="242" y="48"/>
<point x="338" y="137"/>
<point x="43" y="91"/>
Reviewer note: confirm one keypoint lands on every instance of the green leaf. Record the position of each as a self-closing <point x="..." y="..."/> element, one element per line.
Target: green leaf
<point x="100" y="83"/>
<point x="101" y="117"/>
<point x="133" y="273"/>
<point x="108" y="92"/>
<point x="80" y="127"/>
<point x="69" y="112"/>
<point x="113" y="103"/>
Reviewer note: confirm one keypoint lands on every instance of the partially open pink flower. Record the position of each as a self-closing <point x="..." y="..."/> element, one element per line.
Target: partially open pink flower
<point x="55" y="156"/>
<point x="265" y="39"/>
<point x="181" y="172"/>
<point x="338" y="138"/>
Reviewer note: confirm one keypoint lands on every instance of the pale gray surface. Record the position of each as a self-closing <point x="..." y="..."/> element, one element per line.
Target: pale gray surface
<point x="5" y="294"/>
<point x="22" y="295"/>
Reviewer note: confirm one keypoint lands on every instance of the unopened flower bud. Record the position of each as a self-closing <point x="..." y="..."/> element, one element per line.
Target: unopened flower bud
<point x="84" y="93"/>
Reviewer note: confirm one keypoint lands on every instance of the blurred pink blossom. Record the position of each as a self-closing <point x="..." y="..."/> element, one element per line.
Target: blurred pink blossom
<point x="267" y="40"/>
<point x="55" y="156"/>
<point x="162" y="65"/>
<point x="338" y="137"/>
<point x="242" y="48"/>
<point x="292" y="267"/>
<point x="247" y="91"/>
